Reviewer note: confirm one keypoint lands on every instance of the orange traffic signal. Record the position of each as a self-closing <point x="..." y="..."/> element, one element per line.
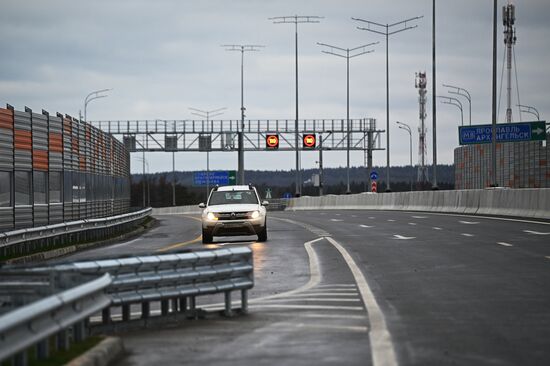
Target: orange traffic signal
<point x="309" y="140"/>
<point x="272" y="141"/>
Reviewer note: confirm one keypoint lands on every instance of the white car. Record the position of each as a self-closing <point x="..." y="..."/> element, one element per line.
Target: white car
<point x="234" y="210"/>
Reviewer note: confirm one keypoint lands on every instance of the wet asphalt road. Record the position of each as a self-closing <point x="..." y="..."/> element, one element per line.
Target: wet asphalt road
<point x="404" y="288"/>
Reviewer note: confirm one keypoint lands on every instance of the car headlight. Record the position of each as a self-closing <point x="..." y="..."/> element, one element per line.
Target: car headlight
<point x="211" y="216"/>
<point x="255" y="214"/>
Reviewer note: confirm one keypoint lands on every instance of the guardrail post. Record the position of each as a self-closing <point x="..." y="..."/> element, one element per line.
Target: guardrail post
<point x="125" y="312"/>
<point x="244" y="301"/>
<point x="62" y="340"/>
<point x="106" y="315"/>
<point x="79" y="331"/>
<point x="227" y="311"/>
<point x="183" y="304"/>
<point x="21" y="359"/>
<point x="43" y="349"/>
<point x="164" y="307"/>
<point x="174" y="305"/>
<point x="145" y="310"/>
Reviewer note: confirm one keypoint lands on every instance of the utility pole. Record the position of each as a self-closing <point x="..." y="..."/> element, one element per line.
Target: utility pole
<point x="494" y="102"/>
<point x="434" y="104"/>
<point x="387" y="30"/>
<point x="464" y="93"/>
<point x="208" y="115"/>
<point x="296" y="19"/>
<point x="173" y="178"/>
<point x="347" y="56"/>
<point x="320" y="165"/>
<point x="242" y="49"/>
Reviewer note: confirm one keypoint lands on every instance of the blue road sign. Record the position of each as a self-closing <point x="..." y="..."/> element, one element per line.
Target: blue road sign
<point x="506" y="132"/>
<point x="221" y="178"/>
<point x="287" y="195"/>
<point x="374" y="175"/>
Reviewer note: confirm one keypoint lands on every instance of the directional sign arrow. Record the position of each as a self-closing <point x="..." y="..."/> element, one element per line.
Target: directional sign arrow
<point x="538" y="131"/>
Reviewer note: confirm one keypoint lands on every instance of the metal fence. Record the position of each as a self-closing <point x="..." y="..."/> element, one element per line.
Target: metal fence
<point x="62" y="313"/>
<point x="25" y="241"/>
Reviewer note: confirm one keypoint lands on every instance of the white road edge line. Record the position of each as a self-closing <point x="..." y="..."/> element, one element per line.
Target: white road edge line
<point x="383" y="352"/>
<point x="478" y="217"/>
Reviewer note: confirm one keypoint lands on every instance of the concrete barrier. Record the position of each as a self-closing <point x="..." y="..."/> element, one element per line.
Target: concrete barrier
<point x="529" y="203"/>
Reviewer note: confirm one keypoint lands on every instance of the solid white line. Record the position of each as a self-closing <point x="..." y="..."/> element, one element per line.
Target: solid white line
<point x="337" y="284"/>
<point x="380" y="338"/>
<point x="123" y="244"/>
<point x="292" y="298"/>
<point x="324" y="294"/>
<point x="535" y="232"/>
<point x="307" y="307"/>
<point x="322" y="326"/>
<point x="325" y="316"/>
<point x="504" y="244"/>
<point x="466" y="234"/>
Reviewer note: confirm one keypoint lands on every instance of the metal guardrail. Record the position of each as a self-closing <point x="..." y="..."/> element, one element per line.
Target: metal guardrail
<point x="173" y="279"/>
<point x="11" y="238"/>
<point x="33" y="323"/>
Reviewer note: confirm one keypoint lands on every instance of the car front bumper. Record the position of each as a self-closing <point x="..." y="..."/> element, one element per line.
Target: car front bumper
<point x="233" y="227"/>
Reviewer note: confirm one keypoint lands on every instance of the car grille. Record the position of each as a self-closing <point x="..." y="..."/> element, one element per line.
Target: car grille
<point x="232" y="215"/>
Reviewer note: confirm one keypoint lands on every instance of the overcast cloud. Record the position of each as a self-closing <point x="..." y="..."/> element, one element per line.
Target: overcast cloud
<point x="162" y="57"/>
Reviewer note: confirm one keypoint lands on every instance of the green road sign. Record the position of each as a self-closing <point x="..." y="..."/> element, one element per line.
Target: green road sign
<point x="506" y="132"/>
<point x="232" y="177"/>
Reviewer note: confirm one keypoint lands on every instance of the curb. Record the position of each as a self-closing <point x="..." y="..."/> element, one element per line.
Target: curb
<point x="103" y="354"/>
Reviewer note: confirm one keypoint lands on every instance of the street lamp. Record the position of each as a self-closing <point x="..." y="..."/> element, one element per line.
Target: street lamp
<point x="242" y="49"/>
<point x="529" y="109"/>
<point x="386" y="30"/>
<point x="347" y="56"/>
<point x="457" y="103"/>
<point x="407" y="128"/>
<point x="464" y="93"/>
<point x="93" y="96"/>
<point x="145" y="162"/>
<point x="296" y="19"/>
<point x="207" y="115"/>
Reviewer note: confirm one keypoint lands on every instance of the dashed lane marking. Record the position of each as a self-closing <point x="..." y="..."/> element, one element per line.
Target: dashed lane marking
<point x="504" y="244"/>
<point x="336" y="220"/>
<point x="391" y="220"/>
<point x="535" y="232"/>
<point x="468" y="222"/>
<point x="371" y="217"/>
<point x="412" y="223"/>
<point x="401" y="237"/>
<point x="419" y="217"/>
<point x="366" y="226"/>
<point x="467" y="235"/>
<point x="437" y="228"/>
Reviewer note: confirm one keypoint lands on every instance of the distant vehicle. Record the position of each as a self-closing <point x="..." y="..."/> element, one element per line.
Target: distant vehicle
<point x="234" y="210"/>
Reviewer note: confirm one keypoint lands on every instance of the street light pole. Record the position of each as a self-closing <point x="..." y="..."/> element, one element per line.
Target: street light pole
<point x="207" y="115"/>
<point x="295" y="19"/>
<point x="529" y="109"/>
<point x="242" y="49"/>
<point x="93" y="96"/>
<point x="456" y="103"/>
<point x="347" y="56"/>
<point x="407" y="128"/>
<point x="385" y="30"/>
<point x="464" y="93"/>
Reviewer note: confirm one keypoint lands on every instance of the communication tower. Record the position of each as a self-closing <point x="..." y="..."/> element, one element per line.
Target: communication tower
<point x="509" y="18"/>
<point x="420" y="83"/>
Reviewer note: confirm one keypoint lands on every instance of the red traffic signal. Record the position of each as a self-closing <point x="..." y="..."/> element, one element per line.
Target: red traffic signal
<point x="309" y="141"/>
<point x="272" y="141"/>
<point x="373" y="186"/>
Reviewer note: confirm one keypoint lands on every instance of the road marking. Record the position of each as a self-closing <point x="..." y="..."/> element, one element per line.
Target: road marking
<point x="336" y="220"/>
<point x="324" y="316"/>
<point x="380" y="338"/>
<point x="437" y="228"/>
<point x="391" y="220"/>
<point x="366" y="226"/>
<point x="535" y="232"/>
<point x="547" y="257"/>
<point x="337" y="284"/>
<point x="323" y="326"/>
<point x="305" y="307"/>
<point x="123" y="244"/>
<point x="400" y="237"/>
<point x="353" y="215"/>
<point x="338" y="214"/>
<point x="412" y="223"/>
<point x="479" y="217"/>
<point x="469" y="222"/>
<point x="178" y="245"/>
<point x="324" y="294"/>
<point x="467" y="235"/>
<point x="419" y="217"/>
<point x="372" y="218"/>
<point x="314" y="299"/>
<point x="504" y="244"/>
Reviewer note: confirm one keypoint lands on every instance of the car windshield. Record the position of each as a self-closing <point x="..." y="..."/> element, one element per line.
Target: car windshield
<point x="232" y="197"/>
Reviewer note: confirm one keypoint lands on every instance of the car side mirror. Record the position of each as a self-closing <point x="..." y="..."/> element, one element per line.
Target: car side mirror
<point x="202" y="205"/>
<point x="265" y="203"/>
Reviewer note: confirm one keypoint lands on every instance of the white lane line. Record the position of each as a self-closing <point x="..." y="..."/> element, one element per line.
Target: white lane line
<point x="504" y="244"/>
<point x="338" y="214"/>
<point x="467" y="235"/>
<point x="366" y="226"/>
<point x="412" y="223"/>
<point x="337" y="284"/>
<point x="322" y="326"/>
<point x="372" y="218"/>
<point x="234" y="243"/>
<point x="305" y="307"/>
<point x="123" y="244"/>
<point x="485" y="217"/>
<point x="437" y="228"/>
<point x="353" y="215"/>
<point x="324" y="316"/>
<point x="313" y="299"/>
<point x="419" y="217"/>
<point x="336" y="220"/>
<point x="380" y="338"/>
<point x="305" y="294"/>
<point x="469" y="222"/>
<point x="400" y="237"/>
<point x="391" y="220"/>
<point x="535" y="232"/>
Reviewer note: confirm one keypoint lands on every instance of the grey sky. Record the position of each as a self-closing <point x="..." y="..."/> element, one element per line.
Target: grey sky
<point x="162" y="57"/>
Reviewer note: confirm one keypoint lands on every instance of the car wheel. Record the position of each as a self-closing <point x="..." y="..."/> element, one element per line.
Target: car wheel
<point x="262" y="235"/>
<point x="206" y="238"/>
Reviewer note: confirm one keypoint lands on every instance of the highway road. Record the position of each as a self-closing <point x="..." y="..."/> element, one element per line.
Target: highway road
<point x="368" y="287"/>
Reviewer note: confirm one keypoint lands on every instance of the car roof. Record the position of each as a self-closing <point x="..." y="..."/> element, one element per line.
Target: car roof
<point x="234" y="188"/>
